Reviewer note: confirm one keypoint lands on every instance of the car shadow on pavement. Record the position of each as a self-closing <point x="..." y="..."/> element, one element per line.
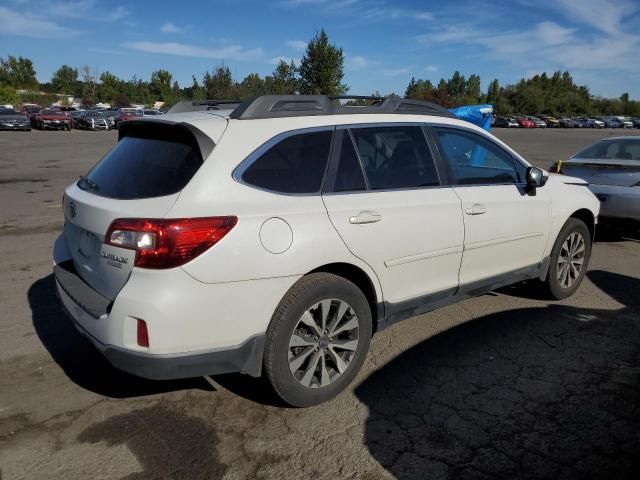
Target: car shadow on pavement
<point x="550" y="392"/>
<point x="81" y="362"/>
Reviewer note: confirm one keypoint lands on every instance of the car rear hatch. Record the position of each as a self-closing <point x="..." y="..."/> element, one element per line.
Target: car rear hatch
<point x="141" y="177"/>
<point x="616" y="172"/>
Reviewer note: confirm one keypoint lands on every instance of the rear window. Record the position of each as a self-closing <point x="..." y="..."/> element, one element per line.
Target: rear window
<point x="624" y="149"/>
<point x="145" y="165"/>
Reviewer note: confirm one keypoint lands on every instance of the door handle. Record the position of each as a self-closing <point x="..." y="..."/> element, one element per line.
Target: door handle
<point x="365" y="217"/>
<point x="476" y="209"/>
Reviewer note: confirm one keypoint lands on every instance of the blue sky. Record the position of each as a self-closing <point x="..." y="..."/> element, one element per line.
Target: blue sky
<point x="385" y="42"/>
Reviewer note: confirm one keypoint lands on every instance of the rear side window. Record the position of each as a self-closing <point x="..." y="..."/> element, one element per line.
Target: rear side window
<point x="145" y="166"/>
<point x="295" y="165"/>
<point x="395" y="157"/>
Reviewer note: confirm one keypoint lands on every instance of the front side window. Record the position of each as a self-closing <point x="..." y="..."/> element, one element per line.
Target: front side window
<point x="294" y="165"/>
<point x="473" y="159"/>
<point x="395" y="157"/>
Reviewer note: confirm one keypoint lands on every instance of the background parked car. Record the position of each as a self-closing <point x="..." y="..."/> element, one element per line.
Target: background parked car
<point x="625" y="121"/>
<point x="636" y="122"/>
<point x="151" y="112"/>
<point x="596" y="122"/>
<point x="110" y="115"/>
<point x="12" y="120"/>
<point x="566" y="122"/>
<point x="91" y="120"/>
<point x="612" y="168"/>
<point x="30" y="109"/>
<point x="525" y="122"/>
<point x="581" y="122"/>
<point x="539" y="123"/>
<point x="50" y="119"/>
<point x="551" y="122"/>
<point x="126" y="114"/>
<point x="506" y="122"/>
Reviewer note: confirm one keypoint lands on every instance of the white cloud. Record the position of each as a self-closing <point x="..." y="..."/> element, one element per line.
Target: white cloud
<point x="118" y="14"/>
<point x="297" y="44"/>
<point x="69" y="9"/>
<point x="29" y="25"/>
<point x="287" y="60"/>
<point x="431" y="68"/>
<point x="548" y="44"/>
<point x="229" y="52"/>
<point x="394" y="72"/>
<point x="357" y="63"/>
<point x="171" y="28"/>
<point x="604" y="15"/>
<point x="390" y="13"/>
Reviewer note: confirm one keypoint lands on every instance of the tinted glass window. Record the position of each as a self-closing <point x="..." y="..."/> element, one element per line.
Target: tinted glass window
<point x="294" y="165"/>
<point x="395" y="157"/>
<point x="349" y="176"/>
<point x="613" y="149"/>
<point x="472" y="159"/>
<point x="143" y="168"/>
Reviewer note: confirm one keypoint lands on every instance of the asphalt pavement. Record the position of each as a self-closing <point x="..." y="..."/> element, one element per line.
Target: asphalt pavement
<point x="506" y="385"/>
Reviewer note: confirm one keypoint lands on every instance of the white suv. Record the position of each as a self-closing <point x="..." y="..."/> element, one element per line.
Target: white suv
<point x="277" y="236"/>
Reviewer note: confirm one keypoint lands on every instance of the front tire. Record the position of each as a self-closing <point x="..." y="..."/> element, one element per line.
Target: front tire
<point x="318" y="339"/>
<point x="569" y="259"/>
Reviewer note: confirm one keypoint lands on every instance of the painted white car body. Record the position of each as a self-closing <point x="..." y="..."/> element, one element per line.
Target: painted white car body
<point x="427" y="246"/>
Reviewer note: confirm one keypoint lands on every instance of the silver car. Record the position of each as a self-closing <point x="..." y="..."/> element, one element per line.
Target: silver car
<point x="612" y="168"/>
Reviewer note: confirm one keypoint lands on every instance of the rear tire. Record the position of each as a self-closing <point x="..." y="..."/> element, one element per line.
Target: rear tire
<point x="318" y="339"/>
<point x="569" y="259"/>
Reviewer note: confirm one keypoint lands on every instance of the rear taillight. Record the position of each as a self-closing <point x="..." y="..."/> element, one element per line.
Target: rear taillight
<point x="167" y="243"/>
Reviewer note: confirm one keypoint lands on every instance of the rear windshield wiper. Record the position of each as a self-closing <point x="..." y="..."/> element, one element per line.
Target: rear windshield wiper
<point x="84" y="180"/>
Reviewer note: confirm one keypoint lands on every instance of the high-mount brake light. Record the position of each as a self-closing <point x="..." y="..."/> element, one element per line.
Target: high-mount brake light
<point x="168" y="243"/>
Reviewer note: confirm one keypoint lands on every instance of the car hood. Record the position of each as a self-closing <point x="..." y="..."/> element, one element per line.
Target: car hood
<point x="567" y="179"/>
<point x="20" y="118"/>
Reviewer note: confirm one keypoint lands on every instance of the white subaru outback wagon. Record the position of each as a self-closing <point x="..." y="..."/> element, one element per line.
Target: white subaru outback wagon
<point x="275" y="236"/>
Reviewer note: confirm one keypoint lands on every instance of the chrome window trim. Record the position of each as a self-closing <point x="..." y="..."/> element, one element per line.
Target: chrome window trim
<point x="242" y="167"/>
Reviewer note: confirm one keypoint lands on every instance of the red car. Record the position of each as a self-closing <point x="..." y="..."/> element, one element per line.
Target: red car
<point x="51" y="119"/>
<point x="126" y="114"/>
<point x="525" y="122"/>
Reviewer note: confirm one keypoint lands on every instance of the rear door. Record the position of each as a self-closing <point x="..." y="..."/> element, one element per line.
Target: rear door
<point x="506" y="227"/>
<point x="141" y="177"/>
<point x="385" y="199"/>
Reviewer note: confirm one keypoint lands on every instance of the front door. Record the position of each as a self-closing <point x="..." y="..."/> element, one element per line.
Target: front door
<point x="506" y="226"/>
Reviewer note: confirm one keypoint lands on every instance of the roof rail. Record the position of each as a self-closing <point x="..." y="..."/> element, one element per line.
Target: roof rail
<point x="279" y="106"/>
<point x="200" y="105"/>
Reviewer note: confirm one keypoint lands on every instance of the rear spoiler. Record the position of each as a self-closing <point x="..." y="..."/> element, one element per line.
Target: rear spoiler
<point x="167" y="130"/>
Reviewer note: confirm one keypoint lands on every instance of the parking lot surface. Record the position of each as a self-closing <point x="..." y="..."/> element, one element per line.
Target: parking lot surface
<point x="507" y="385"/>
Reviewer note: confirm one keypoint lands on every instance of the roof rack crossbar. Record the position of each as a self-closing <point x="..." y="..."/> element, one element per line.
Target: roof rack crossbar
<point x="201" y="105"/>
<point x="279" y="106"/>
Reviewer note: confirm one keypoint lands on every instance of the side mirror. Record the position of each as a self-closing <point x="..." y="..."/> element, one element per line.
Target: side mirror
<point x="535" y="178"/>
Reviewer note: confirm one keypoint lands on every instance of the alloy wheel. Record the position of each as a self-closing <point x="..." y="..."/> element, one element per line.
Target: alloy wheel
<point x="323" y="343"/>
<point x="571" y="260"/>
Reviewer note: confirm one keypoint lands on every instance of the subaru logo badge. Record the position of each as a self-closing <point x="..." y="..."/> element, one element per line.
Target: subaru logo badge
<point x="72" y="209"/>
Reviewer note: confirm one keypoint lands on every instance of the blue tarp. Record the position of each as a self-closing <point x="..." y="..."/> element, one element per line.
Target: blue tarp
<point x="477" y="114"/>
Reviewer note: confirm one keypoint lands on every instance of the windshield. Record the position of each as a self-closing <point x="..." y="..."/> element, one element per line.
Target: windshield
<point x="8" y="111"/>
<point x="623" y="149"/>
<point x="51" y="112"/>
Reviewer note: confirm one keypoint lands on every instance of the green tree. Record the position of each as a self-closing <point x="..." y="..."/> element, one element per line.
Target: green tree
<point x="219" y="85"/>
<point x="18" y="73"/>
<point x="160" y="85"/>
<point x="64" y="79"/>
<point x="90" y="79"/>
<point x="8" y="95"/>
<point x="322" y="68"/>
<point x="284" y="79"/>
<point x="493" y="92"/>
<point x="472" y="90"/>
<point x="456" y="85"/>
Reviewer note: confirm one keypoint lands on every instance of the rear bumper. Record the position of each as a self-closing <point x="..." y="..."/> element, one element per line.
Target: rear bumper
<point x="85" y="306"/>
<point x="618" y="202"/>
<point x="194" y="328"/>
